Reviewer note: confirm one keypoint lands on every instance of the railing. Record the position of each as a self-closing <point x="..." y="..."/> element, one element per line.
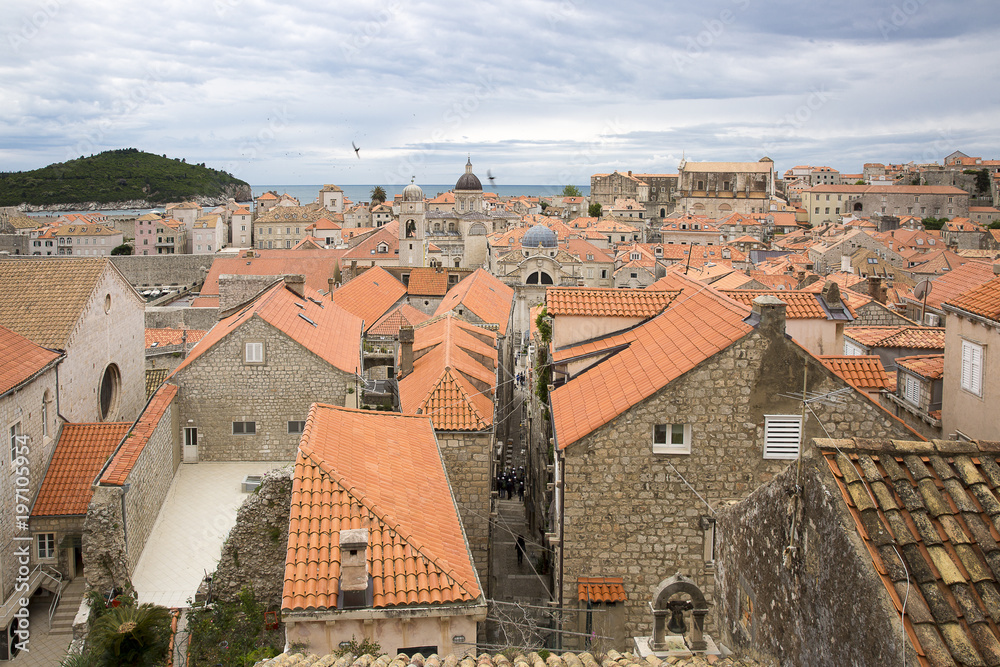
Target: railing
<point x="58" y="578"/>
<point x="33" y="579"/>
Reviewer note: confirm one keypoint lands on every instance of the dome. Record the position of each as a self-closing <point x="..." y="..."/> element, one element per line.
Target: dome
<point x="539" y="236"/>
<point x="412" y="192"/>
<point x="468" y="180"/>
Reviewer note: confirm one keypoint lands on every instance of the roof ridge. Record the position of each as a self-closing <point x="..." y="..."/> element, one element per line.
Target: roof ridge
<point x="393" y="524"/>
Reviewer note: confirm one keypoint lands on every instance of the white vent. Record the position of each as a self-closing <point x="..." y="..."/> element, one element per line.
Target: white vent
<point x="782" y="436"/>
<point x="932" y="320"/>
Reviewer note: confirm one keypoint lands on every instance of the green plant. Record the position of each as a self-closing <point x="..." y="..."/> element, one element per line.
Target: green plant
<point x="85" y="659"/>
<point x="232" y="633"/>
<point x="129" y="635"/>
<point x="274" y="533"/>
<point x="544" y="654"/>
<point x="595" y="210"/>
<point x="543" y="325"/>
<point x="571" y="191"/>
<point x="365" y="647"/>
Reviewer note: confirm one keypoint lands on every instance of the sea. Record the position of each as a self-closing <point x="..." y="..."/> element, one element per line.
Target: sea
<point x="307" y="194"/>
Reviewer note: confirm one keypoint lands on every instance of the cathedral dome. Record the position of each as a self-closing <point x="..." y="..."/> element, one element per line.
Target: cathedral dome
<point x="412" y="192"/>
<point x="539" y="236"/>
<point x="468" y="180"/>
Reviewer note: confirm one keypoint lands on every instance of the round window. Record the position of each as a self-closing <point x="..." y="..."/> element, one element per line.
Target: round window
<point x="107" y="303"/>
<point x="110" y="386"/>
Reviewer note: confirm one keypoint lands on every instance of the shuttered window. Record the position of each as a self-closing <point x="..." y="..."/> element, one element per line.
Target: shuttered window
<point x="782" y="434"/>
<point x="911" y="389"/>
<point x="972" y="367"/>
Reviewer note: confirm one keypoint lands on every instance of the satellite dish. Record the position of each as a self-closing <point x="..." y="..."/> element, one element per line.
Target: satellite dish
<point x="922" y="290"/>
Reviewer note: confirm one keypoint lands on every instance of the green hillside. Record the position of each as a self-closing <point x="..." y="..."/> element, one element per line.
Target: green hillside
<point x="115" y="176"/>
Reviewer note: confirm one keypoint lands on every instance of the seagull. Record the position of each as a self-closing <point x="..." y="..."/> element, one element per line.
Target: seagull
<point x="357" y="151"/>
<point x="489" y="175"/>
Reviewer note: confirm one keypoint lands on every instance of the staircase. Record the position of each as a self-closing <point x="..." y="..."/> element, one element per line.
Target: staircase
<point x="69" y="604"/>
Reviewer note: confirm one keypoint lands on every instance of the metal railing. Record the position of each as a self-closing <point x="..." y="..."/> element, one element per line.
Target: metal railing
<point x="58" y="578"/>
<point x="33" y="579"/>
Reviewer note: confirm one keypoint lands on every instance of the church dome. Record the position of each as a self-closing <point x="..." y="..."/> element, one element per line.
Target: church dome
<point x="468" y="180"/>
<point x="412" y="192"/>
<point x="539" y="236"/>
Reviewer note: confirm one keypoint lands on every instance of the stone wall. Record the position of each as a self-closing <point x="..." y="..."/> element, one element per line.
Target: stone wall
<point x="829" y="607"/>
<point x="254" y="553"/>
<point x="875" y="314"/>
<point x="15" y="244"/>
<point x="218" y="388"/>
<point x="181" y="318"/>
<point x="149" y="481"/>
<point x="630" y="513"/>
<point x="468" y="463"/>
<point x="107" y="565"/>
<point x="159" y="270"/>
<point x="235" y="290"/>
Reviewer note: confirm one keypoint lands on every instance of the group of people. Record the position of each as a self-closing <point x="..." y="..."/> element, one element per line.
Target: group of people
<point x="520" y="379"/>
<point x="511" y="481"/>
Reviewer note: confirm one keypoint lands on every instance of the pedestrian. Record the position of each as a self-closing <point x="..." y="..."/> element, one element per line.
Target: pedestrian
<point x="510" y="488"/>
<point x="519" y="546"/>
<point x="520" y="490"/>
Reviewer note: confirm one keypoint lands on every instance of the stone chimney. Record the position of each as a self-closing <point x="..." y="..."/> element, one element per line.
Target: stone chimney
<point x="770" y="312"/>
<point x="875" y="288"/>
<point x="296" y="283"/>
<point x="405" y="350"/>
<point x="354" y="567"/>
<point x="845" y="263"/>
<point x="330" y="283"/>
<point x="831" y="295"/>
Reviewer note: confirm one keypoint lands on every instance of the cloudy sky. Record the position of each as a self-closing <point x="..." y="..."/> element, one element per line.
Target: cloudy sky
<point x="537" y="91"/>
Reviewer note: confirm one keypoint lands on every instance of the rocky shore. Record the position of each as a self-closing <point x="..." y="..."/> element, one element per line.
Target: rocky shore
<point x="135" y="204"/>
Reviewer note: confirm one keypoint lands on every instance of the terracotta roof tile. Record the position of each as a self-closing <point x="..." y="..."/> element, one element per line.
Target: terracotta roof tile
<point x="506" y="659"/>
<point x="320" y="326"/>
<point x="601" y="589"/>
<point x="983" y="300"/>
<point x="486" y="296"/>
<point x="21" y="360"/>
<point x="370" y="295"/>
<point x="699" y="324"/>
<point x="164" y="337"/>
<point x="365" y="251"/>
<point x="454" y="375"/>
<point x="427" y="281"/>
<point x="80" y="453"/>
<point x="120" y="464"/>
<point x="913" y="337"/>
<point x="388" y="325"/>
<point x="801" y="305"/>
<point x="934" y="507"/>
<point x="154" y="378"/>
<point x="606" y="302"/>
<point x="356" y="469"/>
<point x="929" y="366"/>
<point x="43" y="299"/>
<point x="864" y="372"/>
<point x="316" y="265"/>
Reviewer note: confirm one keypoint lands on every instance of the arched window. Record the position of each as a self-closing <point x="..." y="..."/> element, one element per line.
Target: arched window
<point x="451" y="227"/>
<point x="46" y="397"/>
<point x="411" y="229"/>
<point x="109" y="393"/>
<point x="539" y="278"/>
<point x="458" y="262"/>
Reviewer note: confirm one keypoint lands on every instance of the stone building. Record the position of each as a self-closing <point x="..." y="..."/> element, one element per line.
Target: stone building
<point x="285" y="226"/>
<point x="31" y="425"/>
<point x="391" y="563"/>
<point x="873" y="552"/>
<point x="719" y="189"/>
<point x="87" y="309"/>
<point x="828" y="203"/>
<point x="246" y="387"/>
<point x="673" y="418"/>
<point x="78" y="240"/>
<point x="918" y="393"/>
<point x="654" y="191"/>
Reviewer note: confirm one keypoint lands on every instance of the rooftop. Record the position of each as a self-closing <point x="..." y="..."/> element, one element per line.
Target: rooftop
<point x="983" y="301"/>
<point x="913" y="337"/>
<point x="370" y="295"/>
<point x="929" y="366"/>
<point x="606" y="302"/>
<point x="864" y="372"/>
<point x="80" y="454"/>
<point x="21" y="360"/>
<point x="486" y="296"/>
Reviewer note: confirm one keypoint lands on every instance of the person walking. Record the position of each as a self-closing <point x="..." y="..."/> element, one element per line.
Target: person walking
<point x="520" y="490"/>
<point x="520" y="550"/>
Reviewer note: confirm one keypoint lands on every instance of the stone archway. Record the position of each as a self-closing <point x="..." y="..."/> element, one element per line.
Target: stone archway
<point x="539" y="278"/>
<point x="665" y="606"/>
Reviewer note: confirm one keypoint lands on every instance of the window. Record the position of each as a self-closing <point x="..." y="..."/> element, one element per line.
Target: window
<point x="15" y="440"/>
<point x="911" y="389"/>
<point x="254" y="353"/>
<point x="46" y="545"/>
<point x="672" y="439"/>
<point x="972" y="367"/>
<point x="296" y="426"/>
<point x="110" y="385"/>
<point x="852" y="350"/>
<point x="781" y="436"/>
<point x="244" y="428"/>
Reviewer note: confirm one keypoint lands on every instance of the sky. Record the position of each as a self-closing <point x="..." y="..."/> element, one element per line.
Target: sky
<point x="535" y="91"/>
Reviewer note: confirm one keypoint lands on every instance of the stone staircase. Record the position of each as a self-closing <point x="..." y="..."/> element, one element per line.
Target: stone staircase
<point x="69" y="604"/>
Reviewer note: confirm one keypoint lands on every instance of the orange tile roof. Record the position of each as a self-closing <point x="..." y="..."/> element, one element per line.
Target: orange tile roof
<point x="454" y="380"/>
<point x="164" y="337"/>
<point x="930" y="366"/>
<point x="316" y="265"/>
<point x="335" y="337"/>
<point x="79" y="455"/>
<point x="486" y="296"/>
<point x="606" y="301"/>
<point x="931" y="507"/>
<point x="983" y="300"/>
<point x="205" y="302"/>
<point x="370" y="295"/>
<point x="21" y="359"/>
<point x="389" y="324"/>
<point x="427" y="281"/>
<point x="43" y="299"/>
<point x="801" y="305"/>
<point x="601" y="589"/>
<point x="864" y="372"/>
<point x="365" y="251"/>
<point x="732" y="280"/>
<point x="930" y="338"/>
<point x="120" y="464"/>
<point x="698" y="325"/>
<point x="357" y="469"/>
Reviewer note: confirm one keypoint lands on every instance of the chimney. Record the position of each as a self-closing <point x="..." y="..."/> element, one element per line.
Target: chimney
<point x="875" y="289"/>
<point x="769" y="311"/>
<point x="354" y="567"/>
<point x="845" y="263"/>
<point x="296" y="283"/>
<point x="405" y="350"/>
<point x="330" y="283"/>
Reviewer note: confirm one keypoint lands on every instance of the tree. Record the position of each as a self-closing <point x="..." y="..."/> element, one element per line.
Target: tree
<point x="123" y="249"/>
<point x="378" y="195"/>
<point x="594" y="210"/>
<point x="860" y="181"/>
<point x="571" y="191"/>
<point x="128" y="635"/>
<point x="994" y="225"/>
<point x="933" y="223"/>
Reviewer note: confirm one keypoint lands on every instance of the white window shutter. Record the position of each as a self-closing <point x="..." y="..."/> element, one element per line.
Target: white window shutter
<point x="972" y="367"/>
<point x="782" y="436"/>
